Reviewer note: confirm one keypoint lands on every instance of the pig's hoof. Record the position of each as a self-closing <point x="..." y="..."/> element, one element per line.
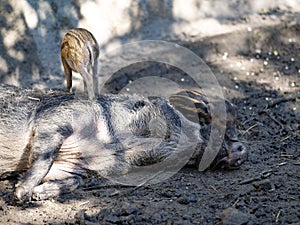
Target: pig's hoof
<point x="21" y="194"/>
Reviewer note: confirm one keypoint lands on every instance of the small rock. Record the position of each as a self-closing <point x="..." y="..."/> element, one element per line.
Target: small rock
<point x="186" y="199"/>
<point x="167" y="194"/>
<point x="112" y="219"/>
<point x="127" y="210"/>
<point x="264" y="185"/>
<point x="232" y="216"/>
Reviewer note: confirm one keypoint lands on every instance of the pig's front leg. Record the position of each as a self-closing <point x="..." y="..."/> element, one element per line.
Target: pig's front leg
<point x="54" y="188"/>
<point x="47" y="139"/>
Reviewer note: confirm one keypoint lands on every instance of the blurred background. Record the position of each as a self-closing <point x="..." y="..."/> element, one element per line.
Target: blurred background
<point x="221" y="32"/>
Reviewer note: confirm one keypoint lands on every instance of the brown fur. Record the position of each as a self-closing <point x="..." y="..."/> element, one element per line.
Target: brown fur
<point x="79" y="53"/>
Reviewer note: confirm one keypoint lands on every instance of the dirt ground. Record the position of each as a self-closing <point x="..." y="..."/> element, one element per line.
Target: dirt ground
<point x="259" y="71"/>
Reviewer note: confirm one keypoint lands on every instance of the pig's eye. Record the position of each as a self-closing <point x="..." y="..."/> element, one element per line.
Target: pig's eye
<point x="138" y="105"/>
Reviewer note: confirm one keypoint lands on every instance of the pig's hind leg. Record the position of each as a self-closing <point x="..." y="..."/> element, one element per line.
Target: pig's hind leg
<point x="46" y="141"/>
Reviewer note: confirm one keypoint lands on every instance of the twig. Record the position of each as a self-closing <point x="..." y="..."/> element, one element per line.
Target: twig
<point x="283" y="139"/>
<point x="272" y="117"/>
<point x="286" y="156"/>
<point x="246" y="131"/>
<point x="213" y="187"/>
<point x="281" y="164"/>
<point x="277" y="216"/>
<point x="233" y="205"/>
<point x="275" y="102"/>
<point x="266" y="173"/>
<point x="33" y="98"/>
<point x="203" y="182"/>
<point x="250" y="119"/>
<point x="278" y="101"/>
<point x="250" y="180"/>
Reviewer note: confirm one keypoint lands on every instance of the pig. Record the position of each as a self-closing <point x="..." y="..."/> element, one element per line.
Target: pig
<point x="79" y="53"/>
<point x="56" y="138"/>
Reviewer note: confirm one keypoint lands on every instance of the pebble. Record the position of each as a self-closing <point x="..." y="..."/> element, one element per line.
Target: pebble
<point x="112" y="219"/>
<point x="186" y="199"/>
<point x="232" y="216"/>
<point x="264" y="185"/>
<point x="128" y="210"/>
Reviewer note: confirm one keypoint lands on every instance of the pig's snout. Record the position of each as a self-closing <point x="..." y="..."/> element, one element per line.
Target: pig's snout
<point x="237" y="155"/>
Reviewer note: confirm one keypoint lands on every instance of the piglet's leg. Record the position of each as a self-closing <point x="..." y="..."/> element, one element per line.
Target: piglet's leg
<point x="54" y="188"/>
<point x="47" y="140"/>
<point x="68" y="74"/>
<point x="88" y="82"/>
<point x="96" y="78"/>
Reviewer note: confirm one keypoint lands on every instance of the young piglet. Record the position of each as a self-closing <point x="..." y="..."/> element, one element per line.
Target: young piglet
<point x="79" y="53"/>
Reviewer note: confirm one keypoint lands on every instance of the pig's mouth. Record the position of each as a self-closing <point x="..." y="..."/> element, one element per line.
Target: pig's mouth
<point x="236" y="155"/>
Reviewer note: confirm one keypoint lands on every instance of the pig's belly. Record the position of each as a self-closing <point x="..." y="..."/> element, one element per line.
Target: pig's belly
<point x="15" y="154"/>
<point x="78" y="155"/>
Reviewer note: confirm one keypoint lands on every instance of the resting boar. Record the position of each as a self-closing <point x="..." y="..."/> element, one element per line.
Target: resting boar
<point x="57" y="138"/>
